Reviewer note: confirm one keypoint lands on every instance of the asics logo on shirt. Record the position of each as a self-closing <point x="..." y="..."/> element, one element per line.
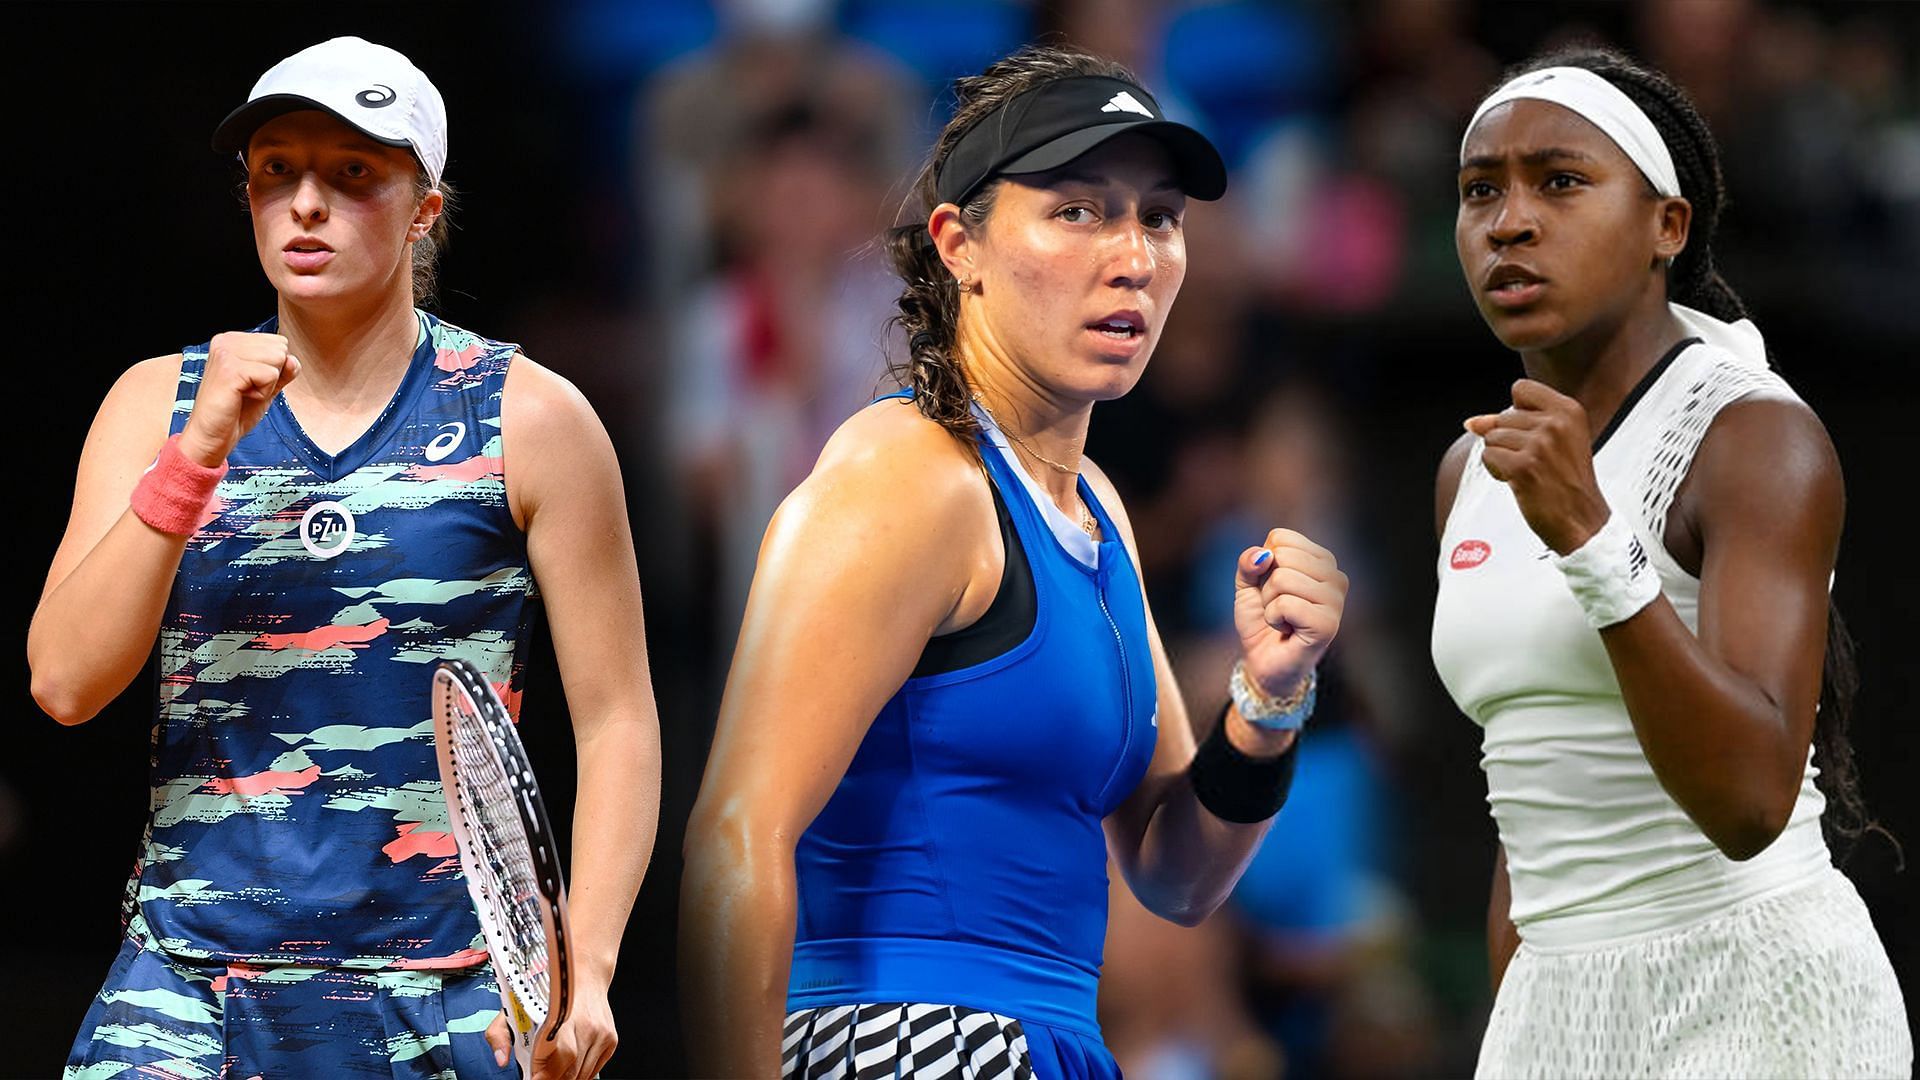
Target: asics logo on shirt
<point x="1125" y="102"/>
<point x="443" y="443"/>
<point x="326" y="529"/>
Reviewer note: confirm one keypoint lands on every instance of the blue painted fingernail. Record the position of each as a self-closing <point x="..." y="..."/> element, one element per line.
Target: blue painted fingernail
<point x="1261" y="559"/>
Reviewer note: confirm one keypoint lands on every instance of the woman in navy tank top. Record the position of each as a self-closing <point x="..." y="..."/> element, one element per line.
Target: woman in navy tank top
<point x="949" y="706"/>
<point x="328" y="512"/>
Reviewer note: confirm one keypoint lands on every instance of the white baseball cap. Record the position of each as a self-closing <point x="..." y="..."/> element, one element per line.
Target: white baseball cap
<point x="372" y="88"/>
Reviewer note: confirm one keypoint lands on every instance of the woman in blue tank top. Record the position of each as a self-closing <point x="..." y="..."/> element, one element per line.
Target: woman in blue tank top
<point x="329" y="512"/>
<point x="948" y="705"/>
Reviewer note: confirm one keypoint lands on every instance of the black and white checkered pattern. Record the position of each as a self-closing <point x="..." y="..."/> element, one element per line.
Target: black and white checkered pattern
<point x="926" y="1042"/>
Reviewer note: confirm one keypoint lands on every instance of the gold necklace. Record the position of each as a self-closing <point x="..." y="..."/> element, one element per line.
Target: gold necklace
<point x="1088" y="523"/>
<point x="1015" y="436"/>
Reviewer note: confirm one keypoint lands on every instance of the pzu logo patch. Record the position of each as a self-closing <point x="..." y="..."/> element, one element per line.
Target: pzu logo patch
<point x="326" y="529"/>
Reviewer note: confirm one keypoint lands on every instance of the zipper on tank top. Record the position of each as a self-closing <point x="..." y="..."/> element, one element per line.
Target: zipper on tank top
<point x="1126" y="673"/>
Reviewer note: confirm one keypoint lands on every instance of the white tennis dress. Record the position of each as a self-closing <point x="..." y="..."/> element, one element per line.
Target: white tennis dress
<point x="1645" y="951"/>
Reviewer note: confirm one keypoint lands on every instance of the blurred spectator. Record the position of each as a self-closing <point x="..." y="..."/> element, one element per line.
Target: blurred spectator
<point x="785" y="340"/>
<point x="773" y="56"/>
<point x="1170" y="1002"/>
<point x="1314" y="948"/>
<point x="1700" y="44"/>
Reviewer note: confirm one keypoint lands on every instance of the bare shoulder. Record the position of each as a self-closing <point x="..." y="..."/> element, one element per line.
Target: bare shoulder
<point x="1446" y="485"/>
<point x="889" y="461"/>
<point x="148" y="383"/>
<point x="554" y="445"/>
<point x="134" y="417"/>
<point x="543" y="401"/>
<point x="128" y="431"/>
<point x="1765" y="450"/>
<point x="890" y="439"/>
<point x="1774" y="424"/>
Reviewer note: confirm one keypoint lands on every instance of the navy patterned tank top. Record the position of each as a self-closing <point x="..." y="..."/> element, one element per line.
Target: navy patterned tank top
<point x="297" y="816"/>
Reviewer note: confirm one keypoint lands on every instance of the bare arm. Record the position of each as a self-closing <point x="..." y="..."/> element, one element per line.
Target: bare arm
<point x="1180" y="860"/>
<point x="107" y="588"/>
<point x="564" y="486"/>
<point x="1725" y="717"/>
<point x="852" y="582"/>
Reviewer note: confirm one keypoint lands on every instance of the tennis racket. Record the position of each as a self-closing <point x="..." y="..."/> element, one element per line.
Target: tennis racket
<point x="507" y="852"/>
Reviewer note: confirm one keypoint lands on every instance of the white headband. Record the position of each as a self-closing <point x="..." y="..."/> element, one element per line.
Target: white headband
<point x="1602" y="104"/>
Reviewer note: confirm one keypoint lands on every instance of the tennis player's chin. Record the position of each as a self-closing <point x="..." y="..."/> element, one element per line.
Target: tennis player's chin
<point x="310" y="286"/>
<point x="1110" y="380"/>
<point x="1529" y="328"/>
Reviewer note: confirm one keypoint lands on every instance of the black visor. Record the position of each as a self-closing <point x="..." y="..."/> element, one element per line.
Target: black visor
<point x="1054" y="123"/>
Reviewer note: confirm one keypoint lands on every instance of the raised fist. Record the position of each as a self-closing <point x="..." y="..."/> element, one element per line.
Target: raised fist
<point x="243" y="373"/>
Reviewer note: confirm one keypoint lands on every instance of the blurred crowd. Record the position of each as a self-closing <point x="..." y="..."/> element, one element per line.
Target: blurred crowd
<point x="768" y="143"/>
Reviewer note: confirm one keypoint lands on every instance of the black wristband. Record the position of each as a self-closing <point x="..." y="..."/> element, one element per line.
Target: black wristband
<point x="1235" y="787"/>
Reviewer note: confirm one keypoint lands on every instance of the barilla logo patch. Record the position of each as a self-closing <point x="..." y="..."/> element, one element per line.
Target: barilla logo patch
<point x="1469" y="554"/>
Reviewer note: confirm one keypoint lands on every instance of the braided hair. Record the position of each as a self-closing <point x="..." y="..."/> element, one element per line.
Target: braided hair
<point x="930" y="300"/>
<point x="1695" y="280"/>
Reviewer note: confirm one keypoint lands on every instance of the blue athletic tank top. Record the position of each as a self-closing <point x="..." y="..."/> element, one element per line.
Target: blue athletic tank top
<point x="296" y="808"/>
<point x="961" y="861"/>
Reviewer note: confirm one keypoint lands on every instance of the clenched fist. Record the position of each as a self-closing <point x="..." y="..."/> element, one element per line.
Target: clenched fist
<point x="1288" y="597"/>
<point x="243" y="373"/>
<point x="1542" y="449"/>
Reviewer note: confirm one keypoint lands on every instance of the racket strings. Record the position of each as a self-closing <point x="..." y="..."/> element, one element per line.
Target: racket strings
<point x="506" y="870"/>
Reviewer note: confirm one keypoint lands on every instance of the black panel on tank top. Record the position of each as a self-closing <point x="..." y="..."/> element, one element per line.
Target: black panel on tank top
<point x="1007" y="621"/>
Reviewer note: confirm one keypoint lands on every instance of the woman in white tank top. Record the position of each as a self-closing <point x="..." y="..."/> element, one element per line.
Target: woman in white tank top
<point x="1634" y="570"/>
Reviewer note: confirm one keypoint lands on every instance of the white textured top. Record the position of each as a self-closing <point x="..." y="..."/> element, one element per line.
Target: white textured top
<point x="1597" y="851"/>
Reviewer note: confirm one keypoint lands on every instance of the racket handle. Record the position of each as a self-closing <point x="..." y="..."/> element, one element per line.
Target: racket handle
<point x="520" y="1027"/>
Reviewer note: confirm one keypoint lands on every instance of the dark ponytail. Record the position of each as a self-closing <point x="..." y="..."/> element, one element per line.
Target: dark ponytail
<point x="930" y="299"/>
<point x="1694" y="280"/>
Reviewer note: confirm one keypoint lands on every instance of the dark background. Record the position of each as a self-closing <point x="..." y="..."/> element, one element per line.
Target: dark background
<point x="124" y="237"/>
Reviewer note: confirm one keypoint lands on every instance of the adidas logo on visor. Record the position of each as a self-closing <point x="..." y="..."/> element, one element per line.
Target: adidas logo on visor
<point x="1125" y="102"/>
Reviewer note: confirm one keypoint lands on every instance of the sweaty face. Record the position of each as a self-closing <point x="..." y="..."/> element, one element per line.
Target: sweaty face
<point x="1557" y="229"/>
<point x="1079" y="265"/>
<point x="331" y="208"/>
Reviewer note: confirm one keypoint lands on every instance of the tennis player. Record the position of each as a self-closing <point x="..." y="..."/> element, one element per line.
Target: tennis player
<point x="949" y="704"/>
<point x="305" y="517"/>
<point x="1634" y="572"/>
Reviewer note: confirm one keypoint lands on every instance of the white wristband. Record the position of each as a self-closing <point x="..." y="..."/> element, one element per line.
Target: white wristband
<point x="1610" y="575"/>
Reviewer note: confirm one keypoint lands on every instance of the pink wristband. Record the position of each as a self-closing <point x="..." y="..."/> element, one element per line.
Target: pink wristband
<point x="173" y="495"/>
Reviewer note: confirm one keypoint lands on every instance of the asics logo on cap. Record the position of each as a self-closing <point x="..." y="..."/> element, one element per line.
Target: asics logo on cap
<point x="370" y="87"/>
<point x="1125" y="102"/>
